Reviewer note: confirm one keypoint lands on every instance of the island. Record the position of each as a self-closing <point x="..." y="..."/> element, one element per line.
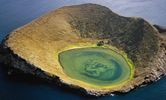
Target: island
<point x="88" y="47"/>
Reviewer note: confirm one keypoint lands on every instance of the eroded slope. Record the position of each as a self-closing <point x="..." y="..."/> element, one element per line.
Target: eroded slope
<point x="39" y="43"/>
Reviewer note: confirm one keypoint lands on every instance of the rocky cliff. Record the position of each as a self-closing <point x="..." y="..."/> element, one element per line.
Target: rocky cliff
<point x="33" y="47"/>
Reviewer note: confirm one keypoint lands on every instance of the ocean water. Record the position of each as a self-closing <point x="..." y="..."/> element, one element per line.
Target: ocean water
<point x="15" y="13"/>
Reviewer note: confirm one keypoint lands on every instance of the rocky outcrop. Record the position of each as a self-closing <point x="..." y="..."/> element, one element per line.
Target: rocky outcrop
<point x="16" y="62"/>
<point x="133" y="35"/>
<point x="34" y="47"/>
<point x="161" y="29"/>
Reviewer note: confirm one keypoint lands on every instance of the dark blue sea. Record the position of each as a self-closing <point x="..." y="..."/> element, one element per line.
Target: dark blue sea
<point x="15" y="13"/>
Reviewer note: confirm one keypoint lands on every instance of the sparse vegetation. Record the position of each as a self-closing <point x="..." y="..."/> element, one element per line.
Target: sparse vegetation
<point x="134" y="35"/>
<point x="39" y="43"/>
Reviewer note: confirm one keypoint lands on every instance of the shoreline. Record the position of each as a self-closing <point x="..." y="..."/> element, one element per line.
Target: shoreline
<point x="114" y="49"/>
<point x="33" y="48"/>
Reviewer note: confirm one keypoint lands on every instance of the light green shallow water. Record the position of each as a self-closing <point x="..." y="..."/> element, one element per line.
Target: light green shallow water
<point x="95" y="65"/>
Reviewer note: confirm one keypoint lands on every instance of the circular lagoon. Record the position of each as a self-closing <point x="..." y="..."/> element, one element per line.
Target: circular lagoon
<point x="95" y="65"/>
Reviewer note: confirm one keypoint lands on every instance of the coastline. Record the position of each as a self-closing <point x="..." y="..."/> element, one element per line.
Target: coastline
<point x="27" y="56"/>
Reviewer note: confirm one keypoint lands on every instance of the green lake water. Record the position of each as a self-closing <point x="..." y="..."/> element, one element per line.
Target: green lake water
<point x="95" y="65"/>
<point x="15" y="13"/>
